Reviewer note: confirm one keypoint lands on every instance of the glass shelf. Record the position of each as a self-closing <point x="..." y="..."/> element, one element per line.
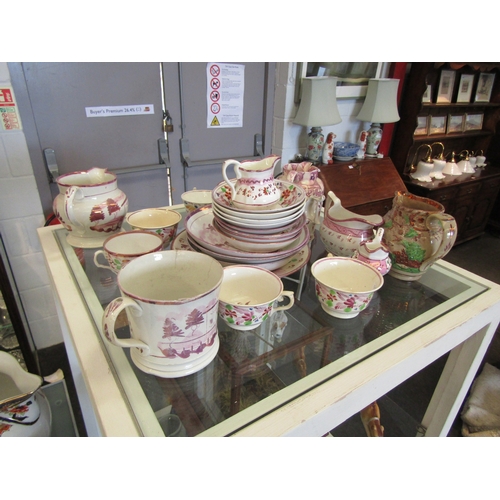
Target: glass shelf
<point x="259" y="370"/>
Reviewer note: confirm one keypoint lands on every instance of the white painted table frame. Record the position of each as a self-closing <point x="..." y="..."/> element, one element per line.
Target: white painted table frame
<point x="465" y="332"/>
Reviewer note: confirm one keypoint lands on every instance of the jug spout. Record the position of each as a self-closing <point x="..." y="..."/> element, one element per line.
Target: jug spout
<point x="97" y="175"/>
<point x="16" y="384"/>
<point x="335" y="211"/>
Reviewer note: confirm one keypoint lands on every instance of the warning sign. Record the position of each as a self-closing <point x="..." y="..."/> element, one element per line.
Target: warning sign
<point x="225" y="95"/>
<point x="8" y="110"/>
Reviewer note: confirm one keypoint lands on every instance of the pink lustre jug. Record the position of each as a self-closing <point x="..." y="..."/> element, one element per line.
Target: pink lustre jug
<point x="342" y="231"/>
<point x="417" y="233"/>
<point x="90" y="206"/>
<point x="254" y="186"/>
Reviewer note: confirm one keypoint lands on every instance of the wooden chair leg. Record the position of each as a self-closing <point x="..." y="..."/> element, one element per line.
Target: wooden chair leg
<point x="370" y="416"/>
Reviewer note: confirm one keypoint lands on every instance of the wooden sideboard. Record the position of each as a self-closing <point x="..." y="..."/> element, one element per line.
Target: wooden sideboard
<point x="365" y="187"/>
<point x="469" y="198"/>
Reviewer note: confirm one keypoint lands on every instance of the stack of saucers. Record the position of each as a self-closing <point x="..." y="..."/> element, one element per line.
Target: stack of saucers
<point x="275" y="238"/>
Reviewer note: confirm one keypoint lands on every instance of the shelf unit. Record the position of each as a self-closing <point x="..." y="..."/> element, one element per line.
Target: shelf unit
<point x="470" y="198"/>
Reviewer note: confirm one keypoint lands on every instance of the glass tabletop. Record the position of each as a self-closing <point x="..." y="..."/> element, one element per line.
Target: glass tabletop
<point x="259" y="370"/>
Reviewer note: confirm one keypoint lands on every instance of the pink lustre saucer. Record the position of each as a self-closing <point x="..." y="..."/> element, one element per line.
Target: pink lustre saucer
<point x="291" y="196"/>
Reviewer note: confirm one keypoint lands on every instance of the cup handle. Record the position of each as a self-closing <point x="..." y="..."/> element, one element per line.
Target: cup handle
<point x="443" y="230"/>
<point x="96" y="255"/>
<point x="114" y="308"/>
<point x="291" y="300"/>
<point x="225" y="165"/>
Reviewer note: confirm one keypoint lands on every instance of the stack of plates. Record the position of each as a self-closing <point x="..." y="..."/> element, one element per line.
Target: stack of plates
<point x="275" y="238"/>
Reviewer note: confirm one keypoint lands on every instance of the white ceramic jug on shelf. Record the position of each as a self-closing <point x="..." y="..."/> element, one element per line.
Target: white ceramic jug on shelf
<point x="24" y="411"/>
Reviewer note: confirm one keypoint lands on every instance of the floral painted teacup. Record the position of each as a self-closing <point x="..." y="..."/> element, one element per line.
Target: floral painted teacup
<point x="196" y="198"/>
<point x="249" y="295"/>
<point x="345" y="286"/>
<point x="160" y="221"/>
<point x="119" y="249"/>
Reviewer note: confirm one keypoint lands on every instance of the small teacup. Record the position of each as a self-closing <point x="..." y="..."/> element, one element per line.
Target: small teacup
<point x="197" y="198"/>
<point x="248" y="296"/>
<point x="345" y="286"/>
<point x="161" y="221"/>
<point x="119" y="249"/>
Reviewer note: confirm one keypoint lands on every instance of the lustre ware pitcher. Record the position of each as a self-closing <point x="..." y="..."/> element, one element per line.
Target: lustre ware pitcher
<point x="90" y="206"/>
<point x="417" y="233"/>
<point x="254" y="187"/>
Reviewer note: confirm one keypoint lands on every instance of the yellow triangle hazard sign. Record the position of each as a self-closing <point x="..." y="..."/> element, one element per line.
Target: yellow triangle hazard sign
<point x="215" y="122"/>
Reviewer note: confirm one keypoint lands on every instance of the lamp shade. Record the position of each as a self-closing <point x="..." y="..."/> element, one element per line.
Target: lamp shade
<point x="380" y="104"/>
<point x="318" y="106"/>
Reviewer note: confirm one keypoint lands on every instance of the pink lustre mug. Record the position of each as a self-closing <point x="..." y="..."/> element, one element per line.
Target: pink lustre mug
<point x="171" y="300"/>
<point x="249" y="295"/>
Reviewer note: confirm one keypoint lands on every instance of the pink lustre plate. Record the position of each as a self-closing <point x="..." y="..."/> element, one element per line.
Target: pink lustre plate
<point x="261" y="231"/>
<point x="291" y="196"/>
<point x="293" y="264"/>
<point x="200" y="229"/>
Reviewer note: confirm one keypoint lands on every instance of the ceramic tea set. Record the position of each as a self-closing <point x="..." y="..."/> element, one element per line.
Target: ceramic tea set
<point x="237" y="244"/>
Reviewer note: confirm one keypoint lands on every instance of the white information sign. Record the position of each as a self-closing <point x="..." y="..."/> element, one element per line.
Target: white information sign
<point x="132" y="109"/>
<point x="225" y="92"/>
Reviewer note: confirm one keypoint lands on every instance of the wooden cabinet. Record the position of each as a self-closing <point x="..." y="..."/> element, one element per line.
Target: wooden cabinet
<point x="406" y="138"/>
<point x="365" y="187"/>
<point x="470" y="198"/>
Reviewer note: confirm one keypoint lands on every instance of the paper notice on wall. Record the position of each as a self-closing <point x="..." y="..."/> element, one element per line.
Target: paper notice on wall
<point x="225" y="93"/>
<point x="130" y="109"/>
<point x="8" y="110"/>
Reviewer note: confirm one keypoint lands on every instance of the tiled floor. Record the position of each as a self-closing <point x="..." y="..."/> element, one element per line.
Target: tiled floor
<point x="401" y="409"/>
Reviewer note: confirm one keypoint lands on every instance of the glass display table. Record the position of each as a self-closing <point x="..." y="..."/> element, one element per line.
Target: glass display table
<point x="301" y="373"/>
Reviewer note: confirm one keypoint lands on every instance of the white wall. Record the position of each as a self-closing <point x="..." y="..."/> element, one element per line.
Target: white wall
<point x="290" y="139"/>
<point x="20" y="215"/>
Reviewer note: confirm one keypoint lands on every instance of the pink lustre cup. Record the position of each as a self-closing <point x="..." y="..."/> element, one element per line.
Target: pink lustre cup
<point x="345" y="286"/>
<point x="249" y="295"/>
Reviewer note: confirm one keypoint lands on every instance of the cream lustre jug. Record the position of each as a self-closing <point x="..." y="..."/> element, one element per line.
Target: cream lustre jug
<point x="90" y="206"/>
<point x="254" y="186"/>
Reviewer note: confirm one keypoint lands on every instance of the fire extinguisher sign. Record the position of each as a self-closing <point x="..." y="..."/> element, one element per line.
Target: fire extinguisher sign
<point x="8" y="110"/>
<point x="225" y="95"/>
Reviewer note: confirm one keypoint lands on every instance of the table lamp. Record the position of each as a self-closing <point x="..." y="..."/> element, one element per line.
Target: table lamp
<point x="318" y="108"/>
<point x="380" y="106"/>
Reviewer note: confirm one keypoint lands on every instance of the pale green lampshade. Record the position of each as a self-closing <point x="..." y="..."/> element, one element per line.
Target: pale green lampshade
<point x="318" y="105"/>
<point x="380" y="104"/>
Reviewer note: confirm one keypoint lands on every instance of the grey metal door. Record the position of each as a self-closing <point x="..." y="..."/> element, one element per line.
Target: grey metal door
<point x="56" y="102"/>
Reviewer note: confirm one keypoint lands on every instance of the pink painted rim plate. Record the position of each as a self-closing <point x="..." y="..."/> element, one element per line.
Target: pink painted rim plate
<point x="200" y="228"/>
<point x="297" y="261"/>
